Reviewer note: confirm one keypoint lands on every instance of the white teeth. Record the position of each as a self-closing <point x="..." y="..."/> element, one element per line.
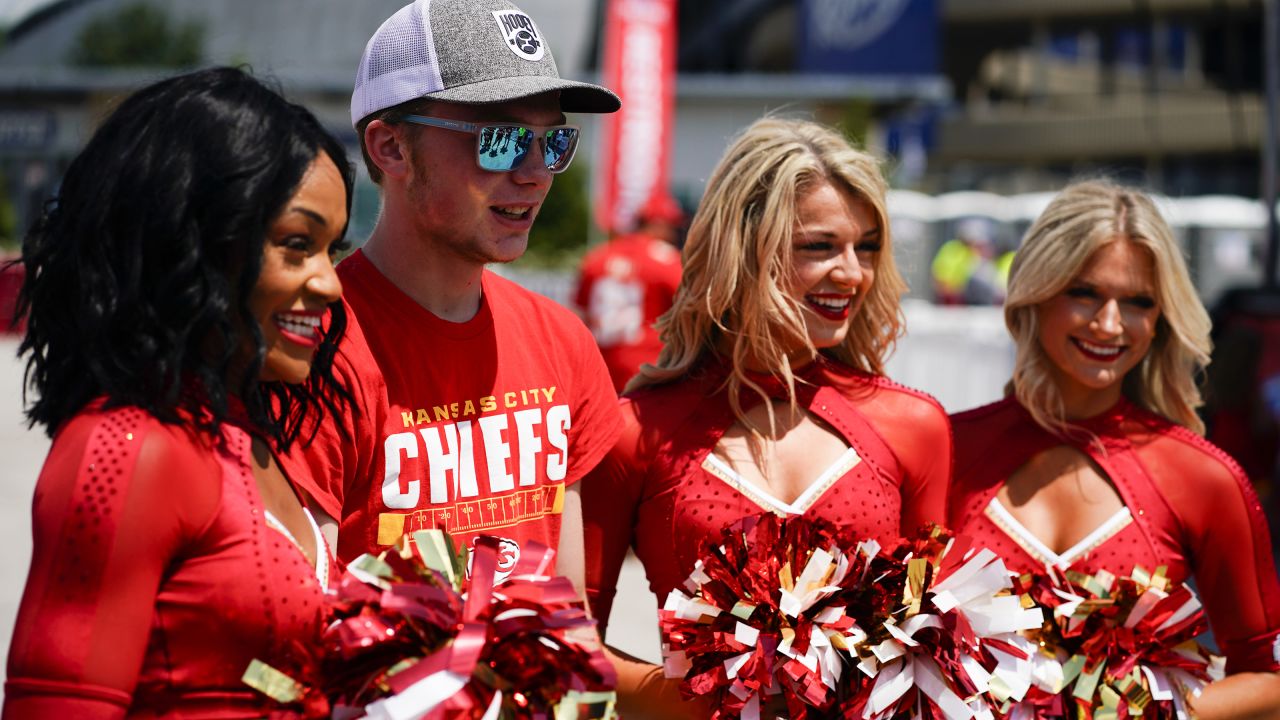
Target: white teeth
<point x="1100" y="349"/>
<point x="830" y="304"/>
<point x="513" y="214"/>
<point x="304" y="325"/>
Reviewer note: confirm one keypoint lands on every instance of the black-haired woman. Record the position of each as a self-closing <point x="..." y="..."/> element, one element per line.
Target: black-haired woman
<point x="183" y="311"/>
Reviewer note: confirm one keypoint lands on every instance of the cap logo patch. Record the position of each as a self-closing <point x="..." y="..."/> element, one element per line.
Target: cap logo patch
<point x="521" y="34"/>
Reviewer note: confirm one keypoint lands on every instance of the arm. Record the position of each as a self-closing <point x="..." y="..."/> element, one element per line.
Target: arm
<point x="610" y="500"/>
<point x="921" y="437"/>
<point x="1243" y="696"/>
<point x="1235" y="573"/>
<point x="87" y="610"/>
<point x="644" y="692"/>
<point x="570" y="559"/>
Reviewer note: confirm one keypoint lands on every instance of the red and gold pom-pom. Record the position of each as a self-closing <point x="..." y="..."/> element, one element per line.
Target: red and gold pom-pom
<point x="788" y="612"/>
<point x="412" y="636"/>
<point x="763" y="621"/>
<point x="1124" y="646"/>
<point x="942" y="624"/>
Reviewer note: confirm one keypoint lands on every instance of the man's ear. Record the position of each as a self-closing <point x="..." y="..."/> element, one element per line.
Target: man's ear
<point x="387" y="148"/>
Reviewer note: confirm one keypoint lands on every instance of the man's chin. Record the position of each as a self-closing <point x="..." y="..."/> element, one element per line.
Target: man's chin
<point x="507" y="250"/>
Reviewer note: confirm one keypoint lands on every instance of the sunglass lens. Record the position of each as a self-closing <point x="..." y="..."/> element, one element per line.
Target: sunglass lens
<point x="503" y="147"/>
<point x="559" y="146"/>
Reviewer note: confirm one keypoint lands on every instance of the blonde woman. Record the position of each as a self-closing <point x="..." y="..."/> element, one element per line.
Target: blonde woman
<point x="1095" y="459"/>
<point x="769" y="394"/>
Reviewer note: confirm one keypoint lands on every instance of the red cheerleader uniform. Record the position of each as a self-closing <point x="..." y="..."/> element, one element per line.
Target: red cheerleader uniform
<point x="1187" y="506"/>
<point x="663" y="491"/>
<point x="157" y="577"/>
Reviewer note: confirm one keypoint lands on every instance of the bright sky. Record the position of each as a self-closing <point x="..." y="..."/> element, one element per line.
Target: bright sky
<point x="11" y="11"/>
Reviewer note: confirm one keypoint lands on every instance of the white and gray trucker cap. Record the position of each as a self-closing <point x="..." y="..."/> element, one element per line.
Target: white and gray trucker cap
<point x="464" y="51"/>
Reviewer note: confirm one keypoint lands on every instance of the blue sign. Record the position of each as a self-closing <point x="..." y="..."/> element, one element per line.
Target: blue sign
<point x="873" y="37"/>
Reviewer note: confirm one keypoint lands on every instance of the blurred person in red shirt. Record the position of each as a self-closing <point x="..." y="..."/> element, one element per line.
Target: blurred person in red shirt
<point x="626" y="283"/>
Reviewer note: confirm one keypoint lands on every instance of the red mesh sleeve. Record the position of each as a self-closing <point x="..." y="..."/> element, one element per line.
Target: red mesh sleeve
<point x="1229" y="545"/>
<point x="610" y="496"/>
<point x="117" y="499"/>
<point x="918" y="431"/>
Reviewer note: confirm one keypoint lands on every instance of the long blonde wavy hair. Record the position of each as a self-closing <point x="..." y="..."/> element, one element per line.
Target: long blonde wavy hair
<point x="1081" y="219"/>
<point x="733" y="299"/>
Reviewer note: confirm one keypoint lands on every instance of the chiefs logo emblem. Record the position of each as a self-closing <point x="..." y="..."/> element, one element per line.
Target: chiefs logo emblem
<point x="508" y="556"/>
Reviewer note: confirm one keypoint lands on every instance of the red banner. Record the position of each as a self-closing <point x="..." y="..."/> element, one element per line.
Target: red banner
<point x="639" y="64"/>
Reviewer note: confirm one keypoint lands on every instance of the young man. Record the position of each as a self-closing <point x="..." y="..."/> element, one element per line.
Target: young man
<point x="477" y="404"/>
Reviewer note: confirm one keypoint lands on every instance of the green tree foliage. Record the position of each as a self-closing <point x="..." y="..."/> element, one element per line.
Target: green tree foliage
<point x="138" y="35"/>
<point x="855" y="121"/>
<point x="559" y="235"/>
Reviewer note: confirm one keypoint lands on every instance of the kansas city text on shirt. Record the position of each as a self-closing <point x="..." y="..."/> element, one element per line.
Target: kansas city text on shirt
<point x="454" y="460"/>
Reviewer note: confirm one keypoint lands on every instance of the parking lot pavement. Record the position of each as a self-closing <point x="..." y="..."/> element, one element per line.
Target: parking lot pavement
<point x="633" y="623"/>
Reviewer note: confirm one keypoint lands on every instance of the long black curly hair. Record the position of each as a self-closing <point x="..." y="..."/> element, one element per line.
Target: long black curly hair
<point x="139" y="272"/>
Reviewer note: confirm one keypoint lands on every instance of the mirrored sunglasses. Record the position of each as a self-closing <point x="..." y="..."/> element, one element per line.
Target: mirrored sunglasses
<point x="501" y="147"/>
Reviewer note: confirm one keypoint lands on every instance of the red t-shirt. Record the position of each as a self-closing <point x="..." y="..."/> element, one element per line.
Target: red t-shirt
<point x="1188" y="507"/>
<point x="623" y="287"/>
<point x="154" y="579"/>
<point x="662" y="492"/>
<point x="475" y="427"/>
